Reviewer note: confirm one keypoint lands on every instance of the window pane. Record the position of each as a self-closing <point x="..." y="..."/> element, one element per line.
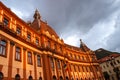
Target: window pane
<point x="2" y="47"/>
<point x="37" y="41"/>
<point x="6" y="21"/>
<point x="28" y="36"/>
<point x="29" y="57"/>
<point x="39" y="60"/>
<point x="18" y="52"/>
<point x="18" y="30"/>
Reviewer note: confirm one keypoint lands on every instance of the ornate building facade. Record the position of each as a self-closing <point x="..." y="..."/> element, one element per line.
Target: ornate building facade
<point x="33" y="51"/>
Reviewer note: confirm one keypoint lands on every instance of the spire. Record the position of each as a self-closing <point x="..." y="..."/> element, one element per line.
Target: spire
<point x="83" y="46"/>
<point x="37" y="15"/>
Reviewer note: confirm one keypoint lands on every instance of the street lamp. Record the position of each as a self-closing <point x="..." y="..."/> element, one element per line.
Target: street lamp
<point x="111" y="59"/>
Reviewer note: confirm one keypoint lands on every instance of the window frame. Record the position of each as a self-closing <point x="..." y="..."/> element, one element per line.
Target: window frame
<point x="40" y="63"/>
<point x="8" y="23"/>
<point x="29" y="58"/>
<point x="16" y="53"/>
<point x="19" y="32"/>
<point x="3" y="47"/>
<point x="37" y="41"/>
<point x="28" y="36"/>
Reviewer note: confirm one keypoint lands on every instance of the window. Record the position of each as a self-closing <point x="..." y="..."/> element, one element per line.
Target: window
<point x="48" y="44"/>
<point x="107" y="65"/>
<point x="1" y="76"/>
<point x="5" y="21"/>
<point x="86" y="68"/>
<point x="78" y="56"/>
<point x="82" y="68"/>
<point x="37" y="41"/>
<point x="30" y="78"/>
<point x="17" y="77"/>
<point x="39" y="60"/>
<point x="58" y="65"/>
<point x="3" y="44"/>
<point x="114" y="63"/>
<point x="40" y="78"/>
<point x="74" y="68"/>
<point x="18" y="53"/>
<point x="29" y="58"/>
<point x="55" y="47"/>
<point x="75" y="56"/>
<point x="18" y="30"/>
<point x="52" y="62"/>
<point x="28" y="36"/>
<point x="82" y="58"/>
<point x="118" y="61"/>
<point x="61" y="49"/>
<point x="104" y="67"/>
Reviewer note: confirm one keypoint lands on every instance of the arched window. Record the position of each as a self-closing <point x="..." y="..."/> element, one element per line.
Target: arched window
<point x="40" y="78"/>
<point x="17" y="77"/>
<point x="67" y="78"/>
<point x="54" y="77"/>
<point x="1" y="76"/>
<point x="30" y="78"/>
<point x="61" y="78"/>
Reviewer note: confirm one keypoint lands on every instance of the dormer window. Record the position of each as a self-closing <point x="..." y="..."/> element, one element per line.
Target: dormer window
<point x="18" y="30"/>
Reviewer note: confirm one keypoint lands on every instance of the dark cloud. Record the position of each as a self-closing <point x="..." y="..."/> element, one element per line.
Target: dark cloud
<point x="75" y="18"/>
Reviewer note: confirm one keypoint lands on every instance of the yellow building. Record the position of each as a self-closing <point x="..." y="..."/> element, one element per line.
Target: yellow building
<point x="33" y="51"/>
<point x="111" y="66"/>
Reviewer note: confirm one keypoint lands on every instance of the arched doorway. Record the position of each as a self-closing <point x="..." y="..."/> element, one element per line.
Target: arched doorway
<point x="61" y="78"/>
<point x="40" y="78"/>
<point x="17" y="77"/>
<point x="1" y="76"/>
<point x="54" y="77"/>
<point x="67" y="78"/>
<point x="30" y="78"/>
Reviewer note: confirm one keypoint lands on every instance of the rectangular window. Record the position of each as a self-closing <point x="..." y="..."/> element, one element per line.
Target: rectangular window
<point x="55" y="47"/>
<point x="52" y="62"/>
<point x="3" y="45"/>
<point x="29" y="58"/>
<point x="74" y="68"/>
<point x="48" y="45"/>
<point x="58" y="62"/>
<point x="28" y="36"/>
<point x="6" y="22"/>
<point x="118" y="61"/>
<point x="61" y="49"/>
<point x="18" y="53"/>
<point x="39" y="60"/>
<point x="37" y="41"/>
<point x="18" y="30"/>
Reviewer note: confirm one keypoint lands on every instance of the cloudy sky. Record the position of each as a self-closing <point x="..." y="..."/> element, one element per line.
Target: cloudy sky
<point x="96" y="22"/>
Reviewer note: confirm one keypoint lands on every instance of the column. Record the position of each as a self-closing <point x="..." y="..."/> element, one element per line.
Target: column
<point x="24" y="63"/>
<point x="12" y="46"/>
<point x="46" y="67"/>
<point x="35" y="66"/>
<point x="57" y="68"/>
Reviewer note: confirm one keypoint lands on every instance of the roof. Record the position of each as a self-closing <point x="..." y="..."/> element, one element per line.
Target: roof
<point x="109" y="57"/>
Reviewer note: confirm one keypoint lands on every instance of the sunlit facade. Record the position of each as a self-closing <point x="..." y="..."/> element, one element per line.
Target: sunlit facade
<point x="33" y="51"/>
